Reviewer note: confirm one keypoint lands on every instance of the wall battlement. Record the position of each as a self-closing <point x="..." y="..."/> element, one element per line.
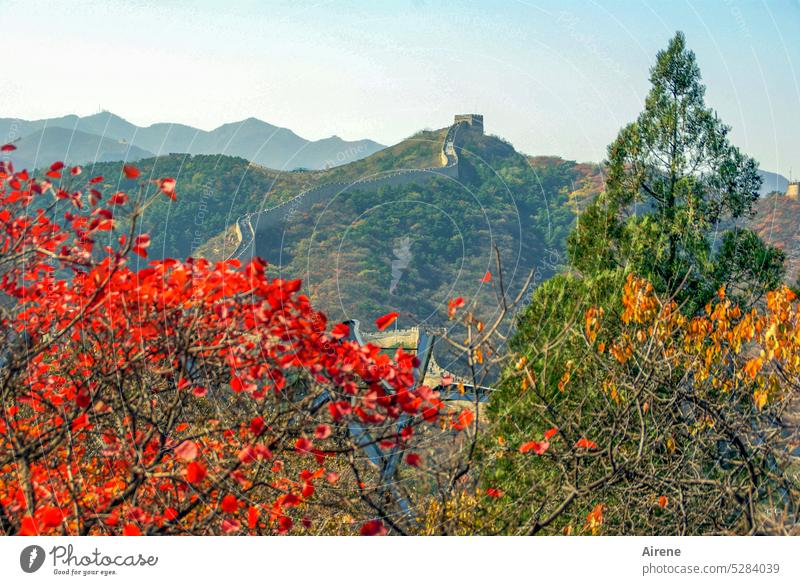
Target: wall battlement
<point x="793" y="190"/>
<point x="474" y="121"/>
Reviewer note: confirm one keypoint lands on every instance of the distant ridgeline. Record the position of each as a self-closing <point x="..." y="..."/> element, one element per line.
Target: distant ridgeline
<point x="259" y="233"/>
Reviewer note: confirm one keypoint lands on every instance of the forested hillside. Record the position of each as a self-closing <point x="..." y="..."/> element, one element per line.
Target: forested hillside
<point x="346" y="251"/>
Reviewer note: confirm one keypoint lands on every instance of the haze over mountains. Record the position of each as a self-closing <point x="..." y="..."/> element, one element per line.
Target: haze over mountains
<point x="108" y="137"/>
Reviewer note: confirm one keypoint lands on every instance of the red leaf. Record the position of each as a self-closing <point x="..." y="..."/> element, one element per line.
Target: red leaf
<point x="373" y="528"/>
<point x="167" y="187"/>
<point x="195" y="472"/>
<point x="131" y="172"/>
<point x="81" y="422"/>
<point x="252" y="517"/>
<point x="585" y="443"/>
<point x="538" y="447"/>
<point x="141" y="244"/>
<point x="7" y="148"/>
<point x="413" y="460"/>
<point x="28" y="527"/>
<point x="341" y="331"/>
<point x="383" y="322"/>
<point x="229" y="504"/>
<point x="131" y="530"/>
<point x="303" y="445"/>
<point x="550" y="433"/>
<point x="118" y="198"/>
<point x="494" y="493"/>
<point x="52" y="517"/>
<point x="453" y="305"/>
<point x="284" y="524"/>
<point x="487" y="277"/>
<point x="257" y="426"/>
<point x="322" y="432"/>
<point x="186" y="451"/>
<point x="465" y="418"/>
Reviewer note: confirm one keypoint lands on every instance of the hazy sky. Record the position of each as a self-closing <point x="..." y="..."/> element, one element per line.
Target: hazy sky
<point x="551" y="77"/>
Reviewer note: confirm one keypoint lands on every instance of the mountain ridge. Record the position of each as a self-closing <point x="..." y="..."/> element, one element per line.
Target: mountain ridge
<point x="254" y="139"/>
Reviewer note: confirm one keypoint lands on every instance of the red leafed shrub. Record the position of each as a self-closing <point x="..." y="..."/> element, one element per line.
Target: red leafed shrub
<point x="151" y="400"/>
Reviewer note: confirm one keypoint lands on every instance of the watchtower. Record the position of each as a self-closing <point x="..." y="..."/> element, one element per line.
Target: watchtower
<point x="474" y="121"/>
<point x="793" y="190"/>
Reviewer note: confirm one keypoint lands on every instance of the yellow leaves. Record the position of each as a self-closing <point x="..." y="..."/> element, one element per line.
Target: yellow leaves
<point x="521" y="362"/>
<point x="753" y="367"/>
<point x="760" y="396"/>
<point x="639" y="301"/>
<point x="622" y="351"/>
<point x="701" y="425"/>
<point x="593" y="317"/>
<point x="565" y="378"/>
<point x="670" y="444"/>
<point x="724" y="351"/>
<point x="610" y="388"/>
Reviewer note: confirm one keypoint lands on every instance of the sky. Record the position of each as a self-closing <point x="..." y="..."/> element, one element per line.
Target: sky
<point x="555" y="78"/>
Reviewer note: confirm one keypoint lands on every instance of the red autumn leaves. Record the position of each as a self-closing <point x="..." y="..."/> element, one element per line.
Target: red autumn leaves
<point x="541" y="447"/>
<point x="384" y="321"/>
<point x="584" y="443"/>
<point x="112" y="389"/>
<point x="195" y="472"/>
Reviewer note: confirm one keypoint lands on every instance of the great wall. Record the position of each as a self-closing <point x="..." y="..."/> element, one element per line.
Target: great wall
<point x="409" y="339"/>
<point x="272" y="219"/>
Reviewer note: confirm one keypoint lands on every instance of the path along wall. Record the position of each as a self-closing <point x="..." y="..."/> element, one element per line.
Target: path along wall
<point x="262" y="226"/>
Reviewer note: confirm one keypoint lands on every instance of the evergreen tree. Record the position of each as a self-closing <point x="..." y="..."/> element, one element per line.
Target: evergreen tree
<point x="675" y="183"/>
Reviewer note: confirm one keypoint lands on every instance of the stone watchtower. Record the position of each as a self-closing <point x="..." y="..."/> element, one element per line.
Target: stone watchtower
<point x="474" y="121"/>
<point x="793" y="190"/>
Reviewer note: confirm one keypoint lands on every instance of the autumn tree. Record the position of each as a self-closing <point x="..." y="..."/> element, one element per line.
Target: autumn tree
<point x="643" y="392"/>
<point x="182" y="398"/>
<point x="675" y="188"/>
<point x="665" y="424"/>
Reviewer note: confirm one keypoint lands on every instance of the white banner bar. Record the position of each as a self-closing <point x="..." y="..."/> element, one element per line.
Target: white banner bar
<point x="396" y="561"/>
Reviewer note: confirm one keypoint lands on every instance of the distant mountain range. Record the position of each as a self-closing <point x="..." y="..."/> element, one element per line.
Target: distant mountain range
<point x="107" y="137"/>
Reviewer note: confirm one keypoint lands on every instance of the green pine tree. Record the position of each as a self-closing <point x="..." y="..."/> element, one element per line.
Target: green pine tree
<point x="675" y="188"/>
